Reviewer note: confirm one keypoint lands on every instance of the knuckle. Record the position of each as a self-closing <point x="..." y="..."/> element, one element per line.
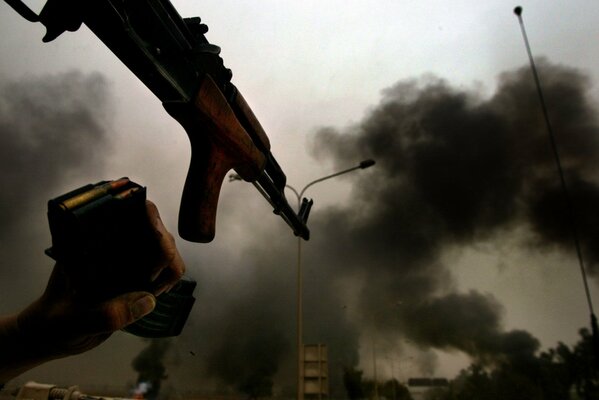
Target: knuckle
<point x="178" y="273"/>
<point x="115" y="316"/>
<point x="170" y="239"/>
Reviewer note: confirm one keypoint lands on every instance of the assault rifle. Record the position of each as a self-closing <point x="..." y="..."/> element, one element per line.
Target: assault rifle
<point x="173" y="58"/>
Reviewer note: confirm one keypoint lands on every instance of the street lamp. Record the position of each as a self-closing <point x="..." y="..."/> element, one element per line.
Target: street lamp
<point x="233" y="177"/>
<point x="363" y="165"/>
<point x="300" y="387"/>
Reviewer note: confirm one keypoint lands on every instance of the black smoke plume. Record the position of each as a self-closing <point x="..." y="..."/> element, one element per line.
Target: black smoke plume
<point x="53" y="131"/>
<point x="50" y="127"/>
<point x="149" y="364"/>
<point x="454" y="168"/>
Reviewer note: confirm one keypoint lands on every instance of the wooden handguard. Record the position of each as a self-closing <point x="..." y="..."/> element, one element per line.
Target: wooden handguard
<point x="255" y="128"/>
<point x="218" y="144"/>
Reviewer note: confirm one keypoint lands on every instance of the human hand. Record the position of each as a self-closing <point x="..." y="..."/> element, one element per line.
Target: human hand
<point x="62" y="322"/>
<point x="170" y="266"/>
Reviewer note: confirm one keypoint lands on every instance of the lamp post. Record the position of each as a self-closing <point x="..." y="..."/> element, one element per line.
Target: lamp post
<point x="233" y="177"/>
<point x="300" y="387"/>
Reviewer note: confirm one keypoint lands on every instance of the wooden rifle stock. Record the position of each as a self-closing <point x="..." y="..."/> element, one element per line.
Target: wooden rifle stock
<point x="218" y="144"/>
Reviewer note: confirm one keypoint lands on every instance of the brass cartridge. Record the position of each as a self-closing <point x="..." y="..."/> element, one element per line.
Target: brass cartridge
<point x="93" y="194"/>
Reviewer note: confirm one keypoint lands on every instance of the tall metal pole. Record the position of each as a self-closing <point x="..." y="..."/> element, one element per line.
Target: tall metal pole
<point x="376" y="379"/>
<point x="300" y="345"/>
<point x="569" y="205"/>
<point x="393" y="388"/>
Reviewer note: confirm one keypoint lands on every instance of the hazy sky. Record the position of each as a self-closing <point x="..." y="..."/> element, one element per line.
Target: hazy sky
<point x="302" y="66"/>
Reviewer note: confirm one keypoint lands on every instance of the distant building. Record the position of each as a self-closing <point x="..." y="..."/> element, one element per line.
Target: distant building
<point x="315" y="371"/>
<point x="419" y="386"/>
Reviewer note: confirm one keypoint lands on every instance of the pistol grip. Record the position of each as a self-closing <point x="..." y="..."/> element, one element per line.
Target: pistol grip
<point x="197" y="213"/>
<point x="219" y="143"/>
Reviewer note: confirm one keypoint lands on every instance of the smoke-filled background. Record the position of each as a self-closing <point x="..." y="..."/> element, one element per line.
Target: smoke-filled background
<point x="453" y="248"/>
<point x="53" y="129"/>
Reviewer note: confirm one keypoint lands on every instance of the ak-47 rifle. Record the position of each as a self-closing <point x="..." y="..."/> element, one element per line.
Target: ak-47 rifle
<point x="173" y="58"/>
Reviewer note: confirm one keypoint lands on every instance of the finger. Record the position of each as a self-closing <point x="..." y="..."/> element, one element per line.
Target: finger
<point x="169" y="262"/>
<point x="159" y="231"/>
<point x="167" y="280"/>
<point x="118" y="312"/>
<point x="169" y="276"/>
<point x="170" y="267"/>
<point x="152" y="211"/>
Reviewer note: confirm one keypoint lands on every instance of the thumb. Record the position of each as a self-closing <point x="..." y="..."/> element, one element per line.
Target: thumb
<point x="120" y="311"/>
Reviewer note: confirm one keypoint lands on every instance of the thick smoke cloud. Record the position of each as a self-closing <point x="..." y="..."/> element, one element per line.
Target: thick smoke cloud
<point x="454" y="168"/>
<point x="247" y="352"/>
<point x="51" y="127"/>
<point x="470" y="323"/>
<point x="149" y="364"/>
<point x="52" y="131"/>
